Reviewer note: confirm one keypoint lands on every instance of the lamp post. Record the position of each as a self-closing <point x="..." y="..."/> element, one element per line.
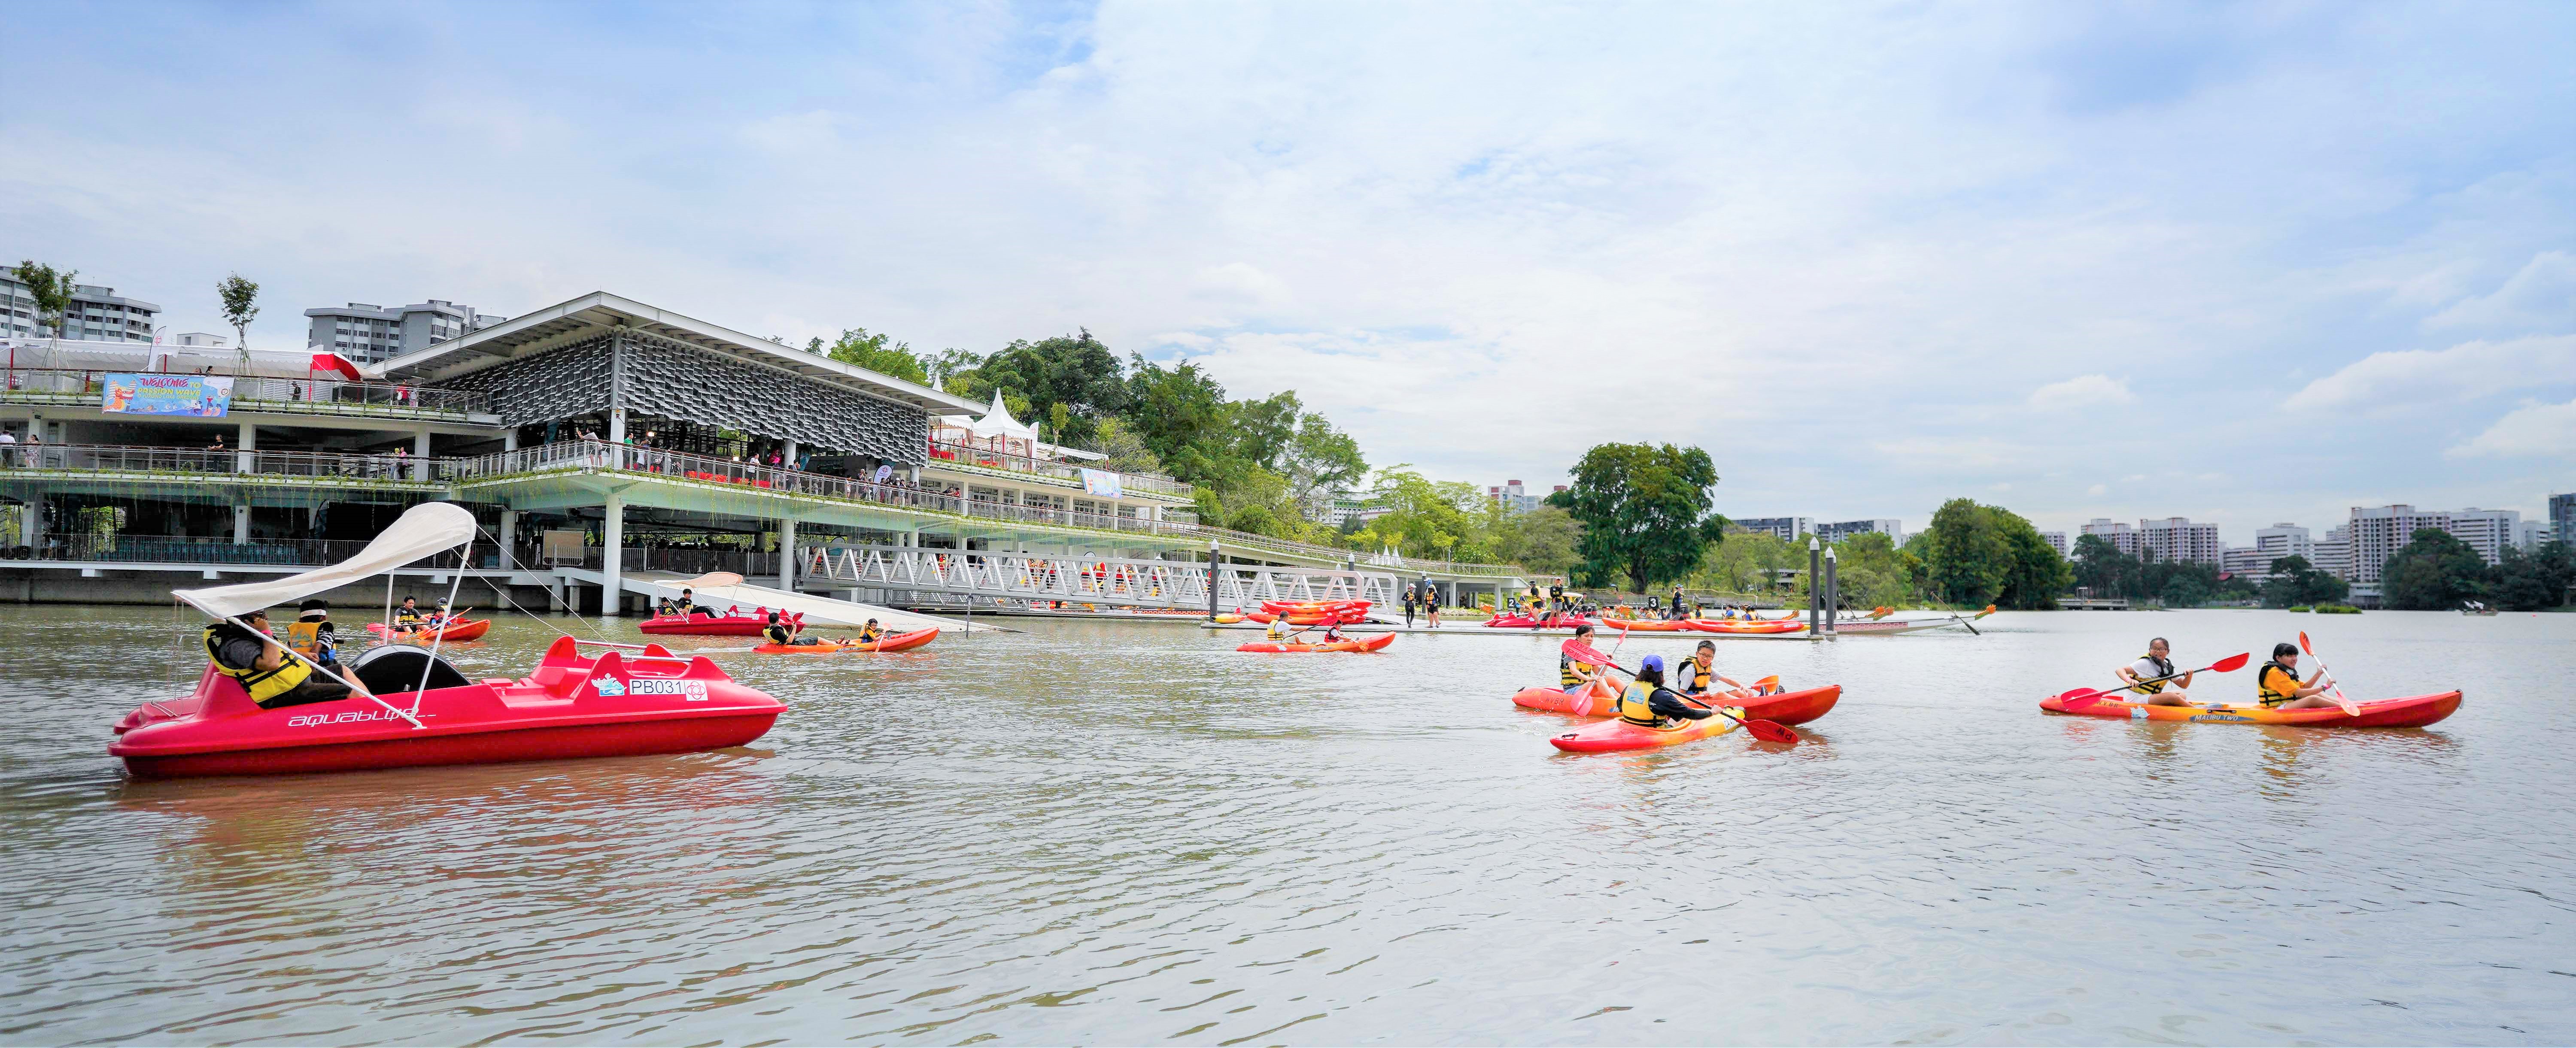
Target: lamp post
<point x="1212" y="555"/>
<point x="1815" y="582"/>
<point x="1833" y="590"/>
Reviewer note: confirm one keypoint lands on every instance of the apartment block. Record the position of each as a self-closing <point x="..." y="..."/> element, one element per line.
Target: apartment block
<point x="369" y="333"/>
<point x="2178" y="539"/>
<point x="2056" y="540"/>
<point x="1840" y="530"/>
<point x="1789" y="529"/>
<point x="2562" y="517"/>
<point x="2334" y="552"/>
<point x="2121" y="536"/>
<point x="97" y="314"/>
<point x="1514" y="498"/>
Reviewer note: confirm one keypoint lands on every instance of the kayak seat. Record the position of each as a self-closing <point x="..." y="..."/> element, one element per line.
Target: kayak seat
<point x="393" y="668"/>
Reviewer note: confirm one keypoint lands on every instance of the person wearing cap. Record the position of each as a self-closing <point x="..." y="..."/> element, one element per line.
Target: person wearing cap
<point x="312" y="635"/>
<point x="263" y="667"/>
<point x="1648" y="703"/>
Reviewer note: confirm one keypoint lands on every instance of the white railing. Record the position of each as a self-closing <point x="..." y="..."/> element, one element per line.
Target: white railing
<point x="1084" y="580"/>
<point x="316" y="396"/>
<point x="121" y="458"/>
<point x="946" y="453"/>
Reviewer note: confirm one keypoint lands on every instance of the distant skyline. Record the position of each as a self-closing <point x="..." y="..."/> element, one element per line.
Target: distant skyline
<point x="2240" y="263"/>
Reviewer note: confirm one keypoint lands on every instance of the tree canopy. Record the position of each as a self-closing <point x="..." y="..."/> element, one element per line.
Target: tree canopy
<point x="876" y="352"/>
<point x="2297" y="583"/>
<point x="1976" y="554"/>
<point x="1645" y="513"/>
<point x="2435" y="571"/>
<point x="2536" y="580"/>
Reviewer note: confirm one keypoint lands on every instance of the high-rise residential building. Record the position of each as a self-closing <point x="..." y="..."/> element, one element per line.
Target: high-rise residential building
<point x="2119" y="535"/>
<point x="2178" y="539"/>
<point x="2562" y="516"/>
<point x="202" y="340"/>
<point x="370" y="333"/>
<point x="2056" y="540"/>
<point x="2528" y="535"/>
<point x="1515" y="499"/>
<point x="97" y="314"/>
<point x="2334" y="552"/>
<point x="2487" y="531"/>
<point x="2286" y="540"/>
<point x="1789" y="529"/>
<point x="1840" y="530"/>
<point x="2252" y="563"/>
<point x="2378" y="532"/>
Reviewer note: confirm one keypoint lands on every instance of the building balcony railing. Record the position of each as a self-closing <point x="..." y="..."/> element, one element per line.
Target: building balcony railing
<point x="120" y="458"/>
<point x="592" y="454"/>
<point x="943" y="453"/>
<point x="195" y="549"/>
<point x="263" y="394"/>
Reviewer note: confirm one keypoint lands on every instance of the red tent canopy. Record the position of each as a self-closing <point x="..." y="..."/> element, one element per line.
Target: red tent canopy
<point x="336" y="362"/>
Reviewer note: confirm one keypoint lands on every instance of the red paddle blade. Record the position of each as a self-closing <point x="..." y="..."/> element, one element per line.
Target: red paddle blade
<point x="2080" y="699"/>
<point x="2232" y="663"/>
<point x="1584" y="652"/>
<point x="1771" y="731"/>
<point x="2303" y="643"/>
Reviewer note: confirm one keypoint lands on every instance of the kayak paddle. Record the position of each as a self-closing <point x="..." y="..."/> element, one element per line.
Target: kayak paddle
<point x="1764" y="730"/>
<point x="2350" y="708"/>
<point x="2082" y="699"/>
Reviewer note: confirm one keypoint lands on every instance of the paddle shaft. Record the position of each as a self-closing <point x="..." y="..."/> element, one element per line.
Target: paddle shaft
<point x="2349" y="707"/>
<point x="1788" y="736"/>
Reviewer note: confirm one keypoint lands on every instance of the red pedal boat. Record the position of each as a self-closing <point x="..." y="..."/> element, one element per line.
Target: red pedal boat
<point x="735" y="623"/>
<point x="422" y="710"/>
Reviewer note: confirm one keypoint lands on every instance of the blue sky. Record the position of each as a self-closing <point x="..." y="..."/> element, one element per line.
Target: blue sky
<point x="2242" y="263"/>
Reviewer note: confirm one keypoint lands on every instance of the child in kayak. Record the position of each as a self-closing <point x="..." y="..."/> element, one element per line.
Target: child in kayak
<point x="1698" y="670"/>
<point x="2277" y="687"/>
<point x="1647" y="703"/>
<point x="2158" y="662"/>
<point x="1575" y="676"/>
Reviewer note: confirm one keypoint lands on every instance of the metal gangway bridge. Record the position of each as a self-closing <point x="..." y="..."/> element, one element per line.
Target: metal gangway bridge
<point x="908" y="575"/>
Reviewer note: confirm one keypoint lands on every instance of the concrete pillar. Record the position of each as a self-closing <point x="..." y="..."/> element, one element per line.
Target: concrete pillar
<point x="510" y="439"/>
<point x="612" y="558"/>
<point x="241" y="525"/>
<point x="509" y="538"/>
<point x="787" y="554"/>
<point x="617" y="426"/>
<point x="31" y="521"/>
<point x="248" y="442"/>
<point x="788" y="454"/>
<point x="420" y="455"/>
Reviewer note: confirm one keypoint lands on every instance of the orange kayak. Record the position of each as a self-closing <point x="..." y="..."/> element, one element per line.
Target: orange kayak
<point x="1376" y="643"/>
<point x="1614" y="735"/>
<point x="1788" y="707"/>
<point x="1643" y="625"/>
<point x="454" y="631"/>
<point x="2414" y="711"/>
<point x="1745" y="625"/>
<point x="895" y="642"/>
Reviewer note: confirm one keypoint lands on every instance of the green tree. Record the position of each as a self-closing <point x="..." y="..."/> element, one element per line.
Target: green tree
<point x="1423" y="518"/>
<point x="875" y="351"/>
<point x="52" y="290"/>
<point x="1975" y="554"/>
<point x="240" y="298"/>
<point x="1180" y="413"/>
<point x="1645" y="512"/>
<point x="2295" y="582"/>
<point x="2434" y="572"/>
<point x="1871" y="572"/>
<point x="2103" y="569"/>
<point x="1126" y="450"/>
<point x="1748" y="562"/>
<point x="2537" y="580"/>
<point x="2034" y="576"/>
<point x="1542" y="540"/>
<point x="1076" y="371"/>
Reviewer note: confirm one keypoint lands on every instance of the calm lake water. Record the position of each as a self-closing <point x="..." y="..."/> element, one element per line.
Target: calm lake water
<point x="1114" y="833"/>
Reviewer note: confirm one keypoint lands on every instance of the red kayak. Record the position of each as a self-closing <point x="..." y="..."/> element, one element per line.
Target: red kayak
<point x="736" y="624"/>
<point x="454" y="631"/>
<point x="1523" y="622"/>
<point x="1614" y="735"/>
<point x="1788" y="707"/>
<point x="896" y="642"/>
<point x="2413" y="711"/>
<point x="1745" y="625"/>
<point x="1376" y="643"/>
<point x="572" y="706"/>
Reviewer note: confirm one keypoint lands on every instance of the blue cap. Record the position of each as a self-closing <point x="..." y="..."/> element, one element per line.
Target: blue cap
<point x="1651" y="662"/>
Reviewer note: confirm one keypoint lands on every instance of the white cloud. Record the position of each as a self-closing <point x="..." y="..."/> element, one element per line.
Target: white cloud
<point x="2539" y="297"/>
<point x="2082" y="392"/>
<point x="2098" y="490"/>
<point x="2540" y="429"/>
<point x="2417" y="378"/>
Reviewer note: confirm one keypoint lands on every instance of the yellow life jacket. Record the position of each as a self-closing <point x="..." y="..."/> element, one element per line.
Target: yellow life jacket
<point x="1570" y="673"/>
<point x="262" y="685"/>
<point x="1697" y="682"/>
<point x="2164" y="668"/>
<point x="1637" y="705"/>
<point x="305" y="638"/>
<point x="1278" y="629"/>
<point x="778" y="632"/>
<point x="407" y="616"/>
<point x="869" y="634"/>
<point x="2269" y="694"/>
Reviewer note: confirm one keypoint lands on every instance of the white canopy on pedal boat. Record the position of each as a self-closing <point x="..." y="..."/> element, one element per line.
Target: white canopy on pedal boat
<point x="423" y="530"/>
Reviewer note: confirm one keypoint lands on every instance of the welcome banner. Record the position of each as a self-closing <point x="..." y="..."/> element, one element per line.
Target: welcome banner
<point x="205" y="396"/>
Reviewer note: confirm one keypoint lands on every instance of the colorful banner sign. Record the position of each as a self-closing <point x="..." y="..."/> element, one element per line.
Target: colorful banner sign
<point x="205" y="396"/>
<point x="1101" y="482"/>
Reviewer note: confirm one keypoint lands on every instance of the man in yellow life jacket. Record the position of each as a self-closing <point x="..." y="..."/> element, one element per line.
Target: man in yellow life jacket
<point x="2142" y="677"/>
<point x="271" y="676"/>
<point x="407" y="617"/>
<point x="1647" y="703"/>
<point x="2277" y="687"/>
<point x="781" y="630"/>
